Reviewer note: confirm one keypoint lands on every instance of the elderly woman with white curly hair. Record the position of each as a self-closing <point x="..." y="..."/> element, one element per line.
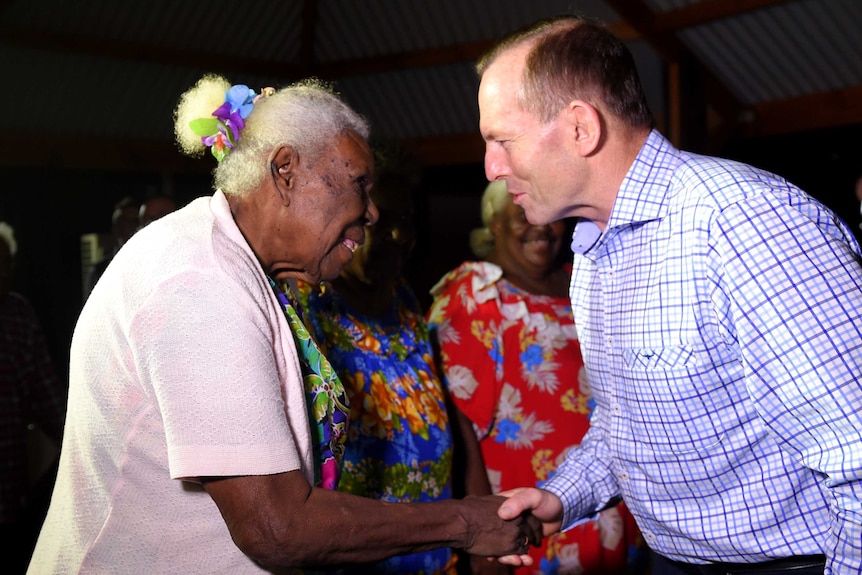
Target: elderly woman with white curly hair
<point x="204" y="428"/>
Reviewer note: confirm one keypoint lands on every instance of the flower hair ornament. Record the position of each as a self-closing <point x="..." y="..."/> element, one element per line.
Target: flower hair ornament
<point x="222" y="130"/>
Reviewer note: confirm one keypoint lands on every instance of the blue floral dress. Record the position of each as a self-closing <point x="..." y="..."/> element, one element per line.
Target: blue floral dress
<point x="399" y="442"/>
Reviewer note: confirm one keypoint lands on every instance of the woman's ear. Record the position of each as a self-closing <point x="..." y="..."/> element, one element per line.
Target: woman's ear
<point x="283" y="170"/>
<point x="585" y="127"/>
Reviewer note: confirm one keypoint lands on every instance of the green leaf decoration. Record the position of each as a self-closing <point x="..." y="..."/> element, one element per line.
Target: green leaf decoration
<point x="218" y="154"/>
<point x="204" y="126"/>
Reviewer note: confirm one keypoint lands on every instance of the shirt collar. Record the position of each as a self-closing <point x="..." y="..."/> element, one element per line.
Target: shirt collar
<point x="642" y="196"/>
<point x="644" y="193"/>
<point x="585" y="236"/>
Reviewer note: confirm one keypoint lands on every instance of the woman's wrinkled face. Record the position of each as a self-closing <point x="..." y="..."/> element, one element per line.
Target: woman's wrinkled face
<point x="332" y="207"/>
<point x="525" y="248"/>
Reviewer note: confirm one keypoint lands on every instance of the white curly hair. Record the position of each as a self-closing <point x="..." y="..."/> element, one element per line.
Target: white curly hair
<point x="494" y="200"/>
<point x="307" y="116"/>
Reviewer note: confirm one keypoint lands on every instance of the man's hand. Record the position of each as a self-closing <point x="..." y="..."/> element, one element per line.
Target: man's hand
<point x="488" y="534"/>
<point x="542" y="505"/>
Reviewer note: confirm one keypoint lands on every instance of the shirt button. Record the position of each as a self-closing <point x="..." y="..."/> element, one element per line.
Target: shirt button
<point x="623" y="476"/>
<point x="650" y="536"/>
<point x="618" y="410"/>
<point x="609" y="341"/>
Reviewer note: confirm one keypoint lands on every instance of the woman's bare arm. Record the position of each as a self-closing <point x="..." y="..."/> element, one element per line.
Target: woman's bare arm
<point x="280" y="520"/>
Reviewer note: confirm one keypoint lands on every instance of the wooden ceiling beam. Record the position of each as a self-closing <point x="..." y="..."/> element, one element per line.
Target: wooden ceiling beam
<point x="118" y="49"/>
<point x="444" y="55"/>
<point x="447" y="150"/>
<point x="812" y="112"/>
<point x="52" y="151"/>
<point x="122" y="50"/>
<point x="637" y="14"/>
<point x="705" y="12"/>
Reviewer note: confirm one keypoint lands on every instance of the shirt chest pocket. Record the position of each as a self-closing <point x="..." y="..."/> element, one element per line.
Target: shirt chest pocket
<point x="680" y="400"/>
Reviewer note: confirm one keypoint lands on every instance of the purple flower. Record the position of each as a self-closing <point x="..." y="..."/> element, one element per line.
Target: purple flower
<point x="238" y="104"/>
<point x="229" y="120"/>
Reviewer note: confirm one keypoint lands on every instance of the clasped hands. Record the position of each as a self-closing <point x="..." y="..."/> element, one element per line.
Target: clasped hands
<point x="524" y="516"/>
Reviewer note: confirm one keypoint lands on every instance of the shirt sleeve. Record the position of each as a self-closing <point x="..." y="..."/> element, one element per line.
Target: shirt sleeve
<point x="468" y="335"/>
<point x="793" y="278"/>
<point x="211" y="361"/>
<point x="584" y="482"/>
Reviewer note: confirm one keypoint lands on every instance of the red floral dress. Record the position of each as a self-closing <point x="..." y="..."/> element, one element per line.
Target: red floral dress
<point x="513" y="366"/>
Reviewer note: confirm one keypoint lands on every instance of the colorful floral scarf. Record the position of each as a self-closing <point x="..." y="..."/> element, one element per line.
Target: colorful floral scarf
<point x="327" y="401"/>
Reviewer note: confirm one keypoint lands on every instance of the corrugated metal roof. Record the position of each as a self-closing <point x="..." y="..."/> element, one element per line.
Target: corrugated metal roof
<point x="251" y="29"/>
<point x="349" y="29"/>
<point x="784" y="51"/>
<point x="110" y="69"/>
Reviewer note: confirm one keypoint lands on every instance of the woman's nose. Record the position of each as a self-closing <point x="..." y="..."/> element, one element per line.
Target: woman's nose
<point x="371" y="213"/>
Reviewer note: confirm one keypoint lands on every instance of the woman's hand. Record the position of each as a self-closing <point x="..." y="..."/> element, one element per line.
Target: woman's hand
<point x="542" y="505"/>
<point x="490" y="535"/>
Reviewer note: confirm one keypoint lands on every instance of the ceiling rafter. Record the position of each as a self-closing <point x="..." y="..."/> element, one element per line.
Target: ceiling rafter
<point x="814" y="111"/>
<point x="768" y="118"/>
<point x="705" y="12"/>
<point x="110" y="48"/>
<point x="637" y="14"/>
<point x="123" y="50"/>
<point x="50" y="151"/>
<point x="639" y="22"/>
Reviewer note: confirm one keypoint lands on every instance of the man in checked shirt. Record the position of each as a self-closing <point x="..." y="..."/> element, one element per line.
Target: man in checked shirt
<point x="719" y="310"/>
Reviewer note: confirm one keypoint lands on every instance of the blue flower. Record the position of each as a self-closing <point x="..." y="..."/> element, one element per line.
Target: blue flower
<point x="532" y="356"/>
<point x="238" y="104"/>
<point x="507" y="429"/>
<point x="495" y="353"/>
<point x="241" y="99"/>
<point x="550" y="566"/>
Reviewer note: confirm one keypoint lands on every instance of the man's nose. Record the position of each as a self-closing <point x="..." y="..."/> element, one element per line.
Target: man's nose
<point x="495" y="165"/>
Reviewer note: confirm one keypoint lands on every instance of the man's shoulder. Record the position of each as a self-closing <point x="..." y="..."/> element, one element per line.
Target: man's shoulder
<point x="718" y="183"/>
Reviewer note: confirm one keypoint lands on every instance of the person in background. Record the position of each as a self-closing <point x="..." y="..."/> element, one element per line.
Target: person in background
<point x="369" y="325"/>
<point x="30" y="394"/>
<point x="719" y="311"/>
<point x="512" y="364"/>
<point x="155" y="206"/>
<point x="124" y="223"/>
<point x="204" y="428"/>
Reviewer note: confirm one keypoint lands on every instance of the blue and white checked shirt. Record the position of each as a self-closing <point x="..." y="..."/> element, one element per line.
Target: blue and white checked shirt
<point x="720" y="317"/>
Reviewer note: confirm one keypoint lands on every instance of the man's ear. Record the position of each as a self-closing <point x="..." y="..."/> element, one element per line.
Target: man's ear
<point x="283" y="165"/>
<point x="585" y="126"/>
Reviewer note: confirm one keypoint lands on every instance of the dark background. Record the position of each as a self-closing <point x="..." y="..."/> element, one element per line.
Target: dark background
<point x="51" y="209"/>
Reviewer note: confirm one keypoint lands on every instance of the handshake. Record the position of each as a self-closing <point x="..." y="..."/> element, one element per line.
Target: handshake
<point x="505" y="525"/>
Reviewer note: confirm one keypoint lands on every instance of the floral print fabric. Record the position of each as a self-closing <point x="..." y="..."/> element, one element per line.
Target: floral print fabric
<point x="513" y="366"/>
<point x="327" y="401"/>
<point x="399" y="445"/>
